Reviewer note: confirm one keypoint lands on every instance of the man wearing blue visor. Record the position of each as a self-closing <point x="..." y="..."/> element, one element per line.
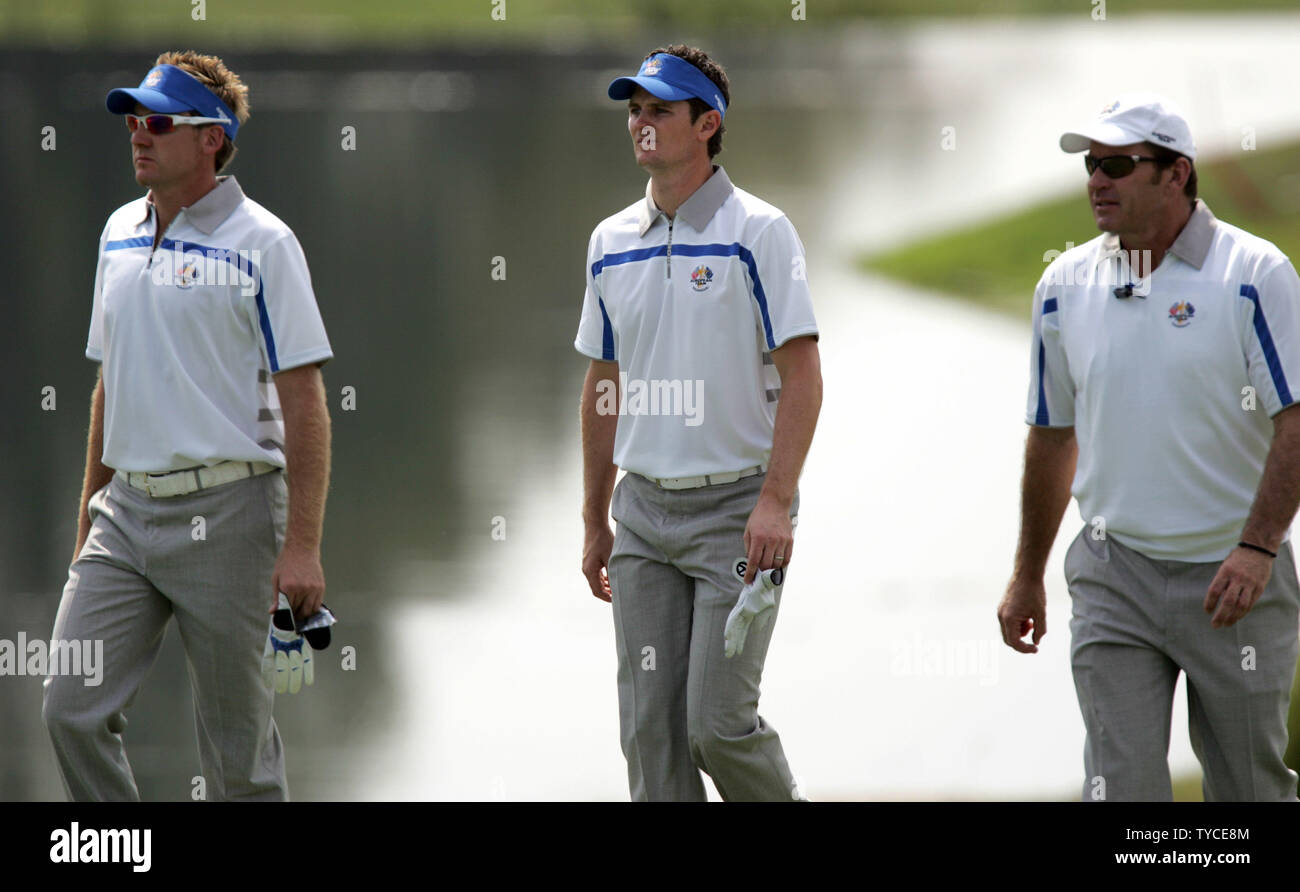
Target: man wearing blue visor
<point x="704" y="386"/>
<point x="208" y="454"/>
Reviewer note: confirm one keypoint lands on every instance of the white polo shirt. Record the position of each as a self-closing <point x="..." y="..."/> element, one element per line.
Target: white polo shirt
<point x="190" y="335"/>
<point x="1170" y="394"/>
<point x="691" y="309"/>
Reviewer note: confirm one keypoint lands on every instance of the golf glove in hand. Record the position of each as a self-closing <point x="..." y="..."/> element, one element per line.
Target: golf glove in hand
<point x="755" y="603"/>
<point x="287" y="661"/>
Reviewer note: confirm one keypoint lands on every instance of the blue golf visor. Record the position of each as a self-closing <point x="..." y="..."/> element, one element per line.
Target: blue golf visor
<point x="672" y="78"/>
<point x="172" y="91"/>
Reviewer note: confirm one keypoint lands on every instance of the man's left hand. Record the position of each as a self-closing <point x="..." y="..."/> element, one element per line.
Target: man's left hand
<point x="299" y="575"/>
<point x="769" y="535"/>
<point x="1237" y="586"/>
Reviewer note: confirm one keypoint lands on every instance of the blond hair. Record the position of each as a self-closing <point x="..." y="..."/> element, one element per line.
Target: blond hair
<point x="213" y="74"/>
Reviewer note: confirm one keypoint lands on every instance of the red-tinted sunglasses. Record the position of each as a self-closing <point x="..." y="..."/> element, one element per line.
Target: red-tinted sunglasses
<point x="161" y="124"/>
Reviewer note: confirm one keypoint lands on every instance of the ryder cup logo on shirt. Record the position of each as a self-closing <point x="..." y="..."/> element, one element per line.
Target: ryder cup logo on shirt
<point x="184" y="268"/>
<point x="701" y="277"/>
<point x="1181" y="313"/>
<point x="187" y="276"/>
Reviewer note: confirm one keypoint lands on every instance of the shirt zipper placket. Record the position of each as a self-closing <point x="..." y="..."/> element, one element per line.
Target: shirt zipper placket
<point x="668" y="257"/>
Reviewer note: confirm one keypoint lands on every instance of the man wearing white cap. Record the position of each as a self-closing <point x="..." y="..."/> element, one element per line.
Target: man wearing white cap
<point x="208" y="456"/>
<point x="704" y="385"/>
<point x="1164" y="359"/>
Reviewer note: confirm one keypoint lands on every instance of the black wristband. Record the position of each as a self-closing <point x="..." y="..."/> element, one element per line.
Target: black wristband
<point x="1258" y="548"/>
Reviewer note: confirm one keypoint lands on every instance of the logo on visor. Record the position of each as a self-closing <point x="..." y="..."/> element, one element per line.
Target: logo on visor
<point x="1181" y="313"/>
<point x="1110" y="108"/>
<point x="701" y="278"/>
<point x="153" y="79"/>
<point x="651" y="67"/>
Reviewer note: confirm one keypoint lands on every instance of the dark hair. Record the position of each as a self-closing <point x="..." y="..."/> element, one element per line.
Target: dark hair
<point x="713" y="71"/>
<point x="1165" y="158"/>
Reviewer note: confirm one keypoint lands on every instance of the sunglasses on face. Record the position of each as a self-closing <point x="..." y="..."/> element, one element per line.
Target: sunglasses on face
<point x="160" y="124"/>
<point x="1115" y="166"/>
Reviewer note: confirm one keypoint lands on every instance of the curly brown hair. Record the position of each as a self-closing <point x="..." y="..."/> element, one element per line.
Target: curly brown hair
<point x="714" y="72"/>
<point x="213" y="74"/>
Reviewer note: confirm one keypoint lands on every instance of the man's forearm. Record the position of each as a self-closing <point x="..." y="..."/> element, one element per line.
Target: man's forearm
<point x="1278" y="494"/>
<point x="1050" y="456"/>
<point x="307" y="460"/>
<point x="792" y="433"/>
<point x="97" y="474"/>
<point x="598" y="429"/>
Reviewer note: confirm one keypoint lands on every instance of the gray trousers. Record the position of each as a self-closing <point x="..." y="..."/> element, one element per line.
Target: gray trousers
<point x="683" y="706"/>
<point x="1138" y="622"/>
<point x="143" y="563"/>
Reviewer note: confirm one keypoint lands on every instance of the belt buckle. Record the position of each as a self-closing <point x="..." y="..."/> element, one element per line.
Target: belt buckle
<point x="150" y="480"/>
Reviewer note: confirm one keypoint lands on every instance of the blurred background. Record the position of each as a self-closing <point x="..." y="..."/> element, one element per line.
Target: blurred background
<point x="913" y="145"/>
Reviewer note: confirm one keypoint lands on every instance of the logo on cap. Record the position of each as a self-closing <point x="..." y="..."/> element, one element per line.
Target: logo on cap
<point x="651" y="67"/>
<point x="153" y="78"/>
<point x="1162" y="137"/>
<point x="1110" y="108"/>
<point x="1181" y="313"/>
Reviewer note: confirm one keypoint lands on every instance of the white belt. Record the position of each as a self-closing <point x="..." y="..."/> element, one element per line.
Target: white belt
<point x="179" y="483"/>
<point x="706" y="479"/>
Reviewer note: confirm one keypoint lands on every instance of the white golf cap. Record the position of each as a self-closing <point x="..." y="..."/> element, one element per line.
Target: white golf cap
<point x="1135" y="117"/>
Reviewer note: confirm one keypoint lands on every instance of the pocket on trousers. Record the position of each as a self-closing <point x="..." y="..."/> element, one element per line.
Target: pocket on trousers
<point x="622" y="498"/>
<point x="277" y="506"/>
<point x="95" y="505"/>
<point x="1084" y="550"/>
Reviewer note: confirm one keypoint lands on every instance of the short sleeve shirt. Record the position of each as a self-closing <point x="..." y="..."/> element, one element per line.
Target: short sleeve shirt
<point x="690" y="309"/>
<point x="1170" y="390"/>
<point x="191" y="334"/>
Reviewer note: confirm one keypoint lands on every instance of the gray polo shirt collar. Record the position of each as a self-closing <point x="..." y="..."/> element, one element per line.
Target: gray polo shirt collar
<point x="697" y="210"/>
<point x="1192" y="245"/>
<point x="212" y="209"/>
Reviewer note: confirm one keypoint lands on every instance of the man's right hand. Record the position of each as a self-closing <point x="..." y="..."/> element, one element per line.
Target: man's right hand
<point x="598" y="544"/>
<point x="1023" y="610"/>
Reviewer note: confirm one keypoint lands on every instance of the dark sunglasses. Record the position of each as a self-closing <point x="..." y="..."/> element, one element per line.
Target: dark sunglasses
<point x="1115" y="166"/>
<point x="160" y="124"/>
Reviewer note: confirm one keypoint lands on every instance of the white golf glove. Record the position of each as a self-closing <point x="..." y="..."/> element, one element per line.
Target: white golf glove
<point x="287" y="660"/>
<point x="756" y="602"/>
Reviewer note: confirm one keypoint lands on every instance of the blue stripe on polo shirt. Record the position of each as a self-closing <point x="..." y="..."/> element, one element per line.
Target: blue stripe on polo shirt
<point x="1267" y="345"/>
<point x="1042" y="418"/>
<point x="240" y="262"/>
<point x="139" y="242"/>
<point x="627" y="257"/>
<point x="735" y="249"/>
<point x="748" y="257"/>
<point x="607" y="338"/>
